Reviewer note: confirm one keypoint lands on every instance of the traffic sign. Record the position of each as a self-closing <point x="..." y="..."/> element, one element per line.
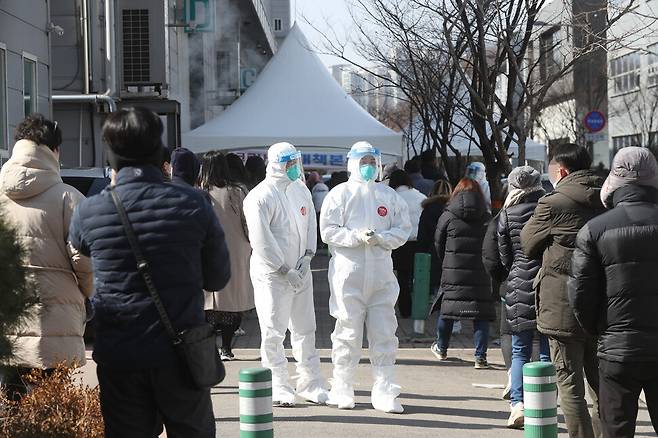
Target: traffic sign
<point x="594" y="121"/>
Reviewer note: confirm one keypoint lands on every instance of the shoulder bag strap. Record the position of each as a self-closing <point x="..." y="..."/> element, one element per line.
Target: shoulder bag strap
<point x="143" y="267"/>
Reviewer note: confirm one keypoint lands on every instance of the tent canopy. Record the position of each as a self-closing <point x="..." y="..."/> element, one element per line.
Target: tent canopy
<point x="294" y="99"/>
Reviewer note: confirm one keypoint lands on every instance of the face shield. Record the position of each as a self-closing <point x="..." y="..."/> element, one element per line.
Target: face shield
<point x="365" y="162"/>
<point x="290" y="163"/>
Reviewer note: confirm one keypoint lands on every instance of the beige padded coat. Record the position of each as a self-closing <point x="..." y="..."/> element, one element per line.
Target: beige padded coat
<point x="238" y="295"/>
<point x="36" y="203"/>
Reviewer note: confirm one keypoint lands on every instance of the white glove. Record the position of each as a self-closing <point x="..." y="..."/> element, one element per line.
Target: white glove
<point x="304" y="265"/>
<point x="368" y="237"/>
<point x="295" y="278"/>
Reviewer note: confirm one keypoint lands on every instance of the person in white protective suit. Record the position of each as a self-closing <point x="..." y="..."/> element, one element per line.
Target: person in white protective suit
<point x="283" y="235"/>
<point x="362" y="222"/>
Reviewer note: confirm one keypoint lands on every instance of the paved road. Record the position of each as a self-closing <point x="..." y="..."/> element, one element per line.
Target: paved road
<point x="439" y="397"/>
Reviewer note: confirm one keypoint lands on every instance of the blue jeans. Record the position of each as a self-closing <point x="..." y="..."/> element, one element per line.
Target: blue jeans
<point x="480" y="336"/>
<point x="522" y="354"/>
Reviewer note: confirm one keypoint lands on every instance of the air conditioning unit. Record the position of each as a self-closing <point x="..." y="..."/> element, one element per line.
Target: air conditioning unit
<point x="141" y="45"/>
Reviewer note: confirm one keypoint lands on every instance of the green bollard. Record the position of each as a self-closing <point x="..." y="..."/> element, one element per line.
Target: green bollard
<point x="256" y="419"/>
<point x="421" y="290"/>
<point x="539" y="400"/>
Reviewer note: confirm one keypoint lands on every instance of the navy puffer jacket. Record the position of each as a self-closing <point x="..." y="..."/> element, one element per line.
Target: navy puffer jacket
<point x="182" y="240"/>
<point x="520" y="294"/>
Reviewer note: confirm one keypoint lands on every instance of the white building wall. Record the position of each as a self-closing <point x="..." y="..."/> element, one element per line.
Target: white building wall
<point x="635" y="112"/>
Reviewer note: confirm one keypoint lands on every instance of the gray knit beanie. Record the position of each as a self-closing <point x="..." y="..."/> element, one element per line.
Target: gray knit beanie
<point x="525" y="178"/>
<point x="631" y="165"/>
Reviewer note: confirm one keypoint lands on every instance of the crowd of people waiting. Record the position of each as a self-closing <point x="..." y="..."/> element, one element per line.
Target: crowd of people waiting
<point x="572" y="269"/>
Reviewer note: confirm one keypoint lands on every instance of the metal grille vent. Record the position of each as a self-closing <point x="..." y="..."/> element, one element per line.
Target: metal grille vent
<point x="136" y="62"/>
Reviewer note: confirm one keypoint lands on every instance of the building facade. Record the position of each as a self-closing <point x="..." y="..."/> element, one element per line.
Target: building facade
<point x="569" y="32"/>
<point x="25" y="65"/>
<point x="633" y="84"/>
<point x="372" y="90"/>
<point x="185" y="60"/>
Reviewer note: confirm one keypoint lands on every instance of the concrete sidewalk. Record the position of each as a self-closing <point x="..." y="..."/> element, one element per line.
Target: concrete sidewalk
<point x="439" y="397"/>
<point x="440" y="400"/>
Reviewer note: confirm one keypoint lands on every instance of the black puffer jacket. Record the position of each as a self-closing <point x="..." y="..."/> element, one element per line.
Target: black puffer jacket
<point x="520" y="294"/>
<point x="459" y="236"/>
<point x="612" y="285"/>
<point x="433" y="208"/>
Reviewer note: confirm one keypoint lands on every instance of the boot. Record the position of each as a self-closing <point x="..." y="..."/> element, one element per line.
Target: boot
<point x="384" y="395"/>
<point x="313" y="390"/>
<point x="341" y="395"/>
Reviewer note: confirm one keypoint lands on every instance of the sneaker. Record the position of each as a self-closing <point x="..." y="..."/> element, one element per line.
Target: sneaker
<point x="516" y="418"/>
<point x="481" y="364"/>
<point x="226" y="355"/>
<point x="441" y="355"/>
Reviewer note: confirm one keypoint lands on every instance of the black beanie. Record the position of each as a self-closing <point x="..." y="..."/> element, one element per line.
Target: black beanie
<point x="185" y="165"/>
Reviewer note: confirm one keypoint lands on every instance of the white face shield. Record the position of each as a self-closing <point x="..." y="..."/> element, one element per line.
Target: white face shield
<point x="365" y="162"/>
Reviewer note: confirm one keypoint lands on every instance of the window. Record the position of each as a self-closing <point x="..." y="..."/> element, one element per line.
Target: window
<point x="29" y="85"/>
<point x="3" y="99"/>
<point x="625" y="72"/>
<point x="277" y="25"/>
<point x="625" y="141"/>
<point x="549" y="63"/>
<point x="652" y="61"/>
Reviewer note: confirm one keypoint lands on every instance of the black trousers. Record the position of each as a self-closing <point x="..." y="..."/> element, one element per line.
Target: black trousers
<point x="403" y="263"/>
<point x="135" y="403"/>
<point x="619" y="389"/>
<point x="226" y="323"/>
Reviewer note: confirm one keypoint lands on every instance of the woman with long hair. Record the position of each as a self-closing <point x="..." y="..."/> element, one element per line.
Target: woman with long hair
<point x="403" y="257"/>
<point x="465" y="284"/>
<point x="224" y="309"/>
<point x="433" y="208"/>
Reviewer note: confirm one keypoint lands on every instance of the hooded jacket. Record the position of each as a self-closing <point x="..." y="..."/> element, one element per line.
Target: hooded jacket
<point x="612" y="287"/>
<point x="459" y="237"/>
<point x="550" y="235"/>
<point x="433" y="208"/>
<point x="520" y="294"/>
<point x="35" y="202"/>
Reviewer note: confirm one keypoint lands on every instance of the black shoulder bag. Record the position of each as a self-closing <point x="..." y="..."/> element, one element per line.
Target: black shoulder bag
<point x="196" y="345"/>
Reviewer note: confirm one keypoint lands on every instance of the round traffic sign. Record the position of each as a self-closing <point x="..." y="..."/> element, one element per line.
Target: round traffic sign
<point x="594" y="121"/>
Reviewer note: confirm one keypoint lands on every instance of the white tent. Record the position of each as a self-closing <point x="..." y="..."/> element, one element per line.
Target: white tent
<point x="294" y="99"/>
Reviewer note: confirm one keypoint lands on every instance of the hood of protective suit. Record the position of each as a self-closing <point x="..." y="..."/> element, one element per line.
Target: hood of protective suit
<point x="31" y="170"/>
<point x="353" y="162"/>
<point x="275" y="171"/>
<point x="468" y="206"/>
<point x="478" y="172"/>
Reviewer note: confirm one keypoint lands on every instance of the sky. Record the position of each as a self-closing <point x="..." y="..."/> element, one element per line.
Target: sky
<point x="326" y="15"/>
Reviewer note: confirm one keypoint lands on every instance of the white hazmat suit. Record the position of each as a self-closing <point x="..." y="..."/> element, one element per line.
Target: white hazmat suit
<point x="362" y="222"/>
<point x="282" y="231"/>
